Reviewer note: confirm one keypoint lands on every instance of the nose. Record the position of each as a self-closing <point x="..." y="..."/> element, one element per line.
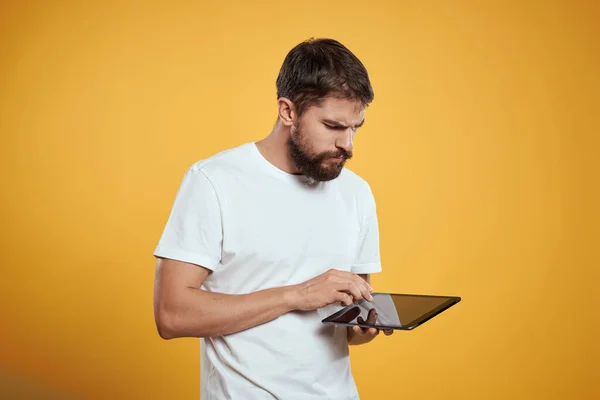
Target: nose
<point x="346" y="140"/>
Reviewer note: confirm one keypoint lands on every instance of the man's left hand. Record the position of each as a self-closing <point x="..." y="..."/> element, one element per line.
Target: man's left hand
<point x="359" y="335"/>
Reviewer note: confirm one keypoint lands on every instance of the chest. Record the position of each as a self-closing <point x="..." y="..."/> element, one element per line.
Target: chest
<point x="287" y="237"/>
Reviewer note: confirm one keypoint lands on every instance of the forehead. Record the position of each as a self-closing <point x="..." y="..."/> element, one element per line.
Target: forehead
<point x="336" y="109"/>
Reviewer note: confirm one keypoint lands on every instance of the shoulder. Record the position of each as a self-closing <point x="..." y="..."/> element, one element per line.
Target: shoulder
<point x="222" y="162"/>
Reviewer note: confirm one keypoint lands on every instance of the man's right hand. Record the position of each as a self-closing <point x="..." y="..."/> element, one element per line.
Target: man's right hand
<point x="330" y="287"/>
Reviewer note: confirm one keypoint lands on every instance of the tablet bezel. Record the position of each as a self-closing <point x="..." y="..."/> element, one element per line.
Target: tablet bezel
<point x="450" y="301"/>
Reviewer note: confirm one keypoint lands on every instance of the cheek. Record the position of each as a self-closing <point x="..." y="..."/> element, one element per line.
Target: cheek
<point x="320" y="137"/>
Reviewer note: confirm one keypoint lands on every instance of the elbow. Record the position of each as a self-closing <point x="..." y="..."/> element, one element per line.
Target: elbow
<point x="173" y="320"/>
<point x="165" y="331"/>
<point x="166" y="324"/>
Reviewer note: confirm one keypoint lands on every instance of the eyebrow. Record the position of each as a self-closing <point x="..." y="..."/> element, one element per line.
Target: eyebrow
<point x="337" y="124"/>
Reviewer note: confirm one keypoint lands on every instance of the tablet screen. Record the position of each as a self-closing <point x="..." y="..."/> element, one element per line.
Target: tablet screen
<point x="399" y="311"/>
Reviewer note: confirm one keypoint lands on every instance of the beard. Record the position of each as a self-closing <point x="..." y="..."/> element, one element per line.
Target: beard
<point x="311" y="165"/>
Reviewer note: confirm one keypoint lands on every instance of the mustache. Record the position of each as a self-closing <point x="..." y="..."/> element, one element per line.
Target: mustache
<point x="341" y="153"/>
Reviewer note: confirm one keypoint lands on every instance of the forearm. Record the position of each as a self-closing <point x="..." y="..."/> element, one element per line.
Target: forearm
<point x="199" y="313"/>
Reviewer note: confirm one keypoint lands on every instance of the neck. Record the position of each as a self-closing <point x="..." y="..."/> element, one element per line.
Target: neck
<point x="274" y="148"/>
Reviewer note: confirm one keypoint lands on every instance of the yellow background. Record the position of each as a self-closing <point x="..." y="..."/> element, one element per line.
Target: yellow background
<point x="481" y="148"/>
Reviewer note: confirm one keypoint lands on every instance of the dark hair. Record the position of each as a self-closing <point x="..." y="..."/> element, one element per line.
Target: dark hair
<point x="317" y="68"/>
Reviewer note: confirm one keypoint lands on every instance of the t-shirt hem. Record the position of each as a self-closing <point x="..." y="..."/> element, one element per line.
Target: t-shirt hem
<point x="366" y="268"/>
<point x="186" y="256"/>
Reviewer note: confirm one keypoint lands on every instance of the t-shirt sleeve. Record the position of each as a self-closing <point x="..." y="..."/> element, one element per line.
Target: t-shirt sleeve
<point x="367" y="259"/>
<point x="193" y="232"/>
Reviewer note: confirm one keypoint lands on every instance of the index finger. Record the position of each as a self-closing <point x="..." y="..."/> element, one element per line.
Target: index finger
<point x="353" y="277"/>
<point x="362" y="285"/>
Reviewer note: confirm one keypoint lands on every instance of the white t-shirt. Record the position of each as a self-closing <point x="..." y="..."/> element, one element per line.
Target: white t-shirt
<point x="257" y="227"/>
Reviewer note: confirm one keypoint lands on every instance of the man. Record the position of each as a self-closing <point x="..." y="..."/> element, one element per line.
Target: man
<point x="262" y="238"/>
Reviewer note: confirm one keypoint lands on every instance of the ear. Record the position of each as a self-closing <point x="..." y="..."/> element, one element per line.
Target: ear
<point x="287" y="111"/>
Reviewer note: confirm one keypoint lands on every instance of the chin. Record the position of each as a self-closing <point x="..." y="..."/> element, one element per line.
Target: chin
<point x="329" y="176"/>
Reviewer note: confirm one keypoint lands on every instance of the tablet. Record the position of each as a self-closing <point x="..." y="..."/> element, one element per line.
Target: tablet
<point x="392" y="311"/>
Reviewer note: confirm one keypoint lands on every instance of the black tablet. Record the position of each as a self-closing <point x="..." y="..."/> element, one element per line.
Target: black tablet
<point x="392" y="311"/>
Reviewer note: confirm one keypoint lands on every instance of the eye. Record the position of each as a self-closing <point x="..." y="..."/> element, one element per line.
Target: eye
<point x="335" y="128"/>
